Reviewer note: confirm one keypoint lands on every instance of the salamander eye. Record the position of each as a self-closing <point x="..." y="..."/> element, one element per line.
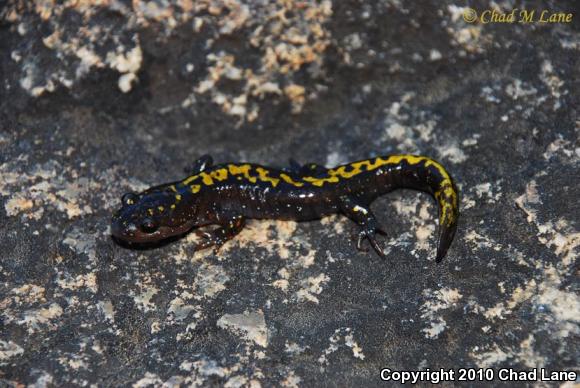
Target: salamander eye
<point x="129" y="199"/>
<point x="148" y="226"/>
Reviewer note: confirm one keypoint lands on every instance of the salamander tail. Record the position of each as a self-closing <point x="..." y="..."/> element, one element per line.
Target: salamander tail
<point x="446" y="233"/>
<point x="446" y="194"/>
<point x="426" y="174"/>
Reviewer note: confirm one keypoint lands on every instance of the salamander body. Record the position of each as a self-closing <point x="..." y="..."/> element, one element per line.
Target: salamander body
<point x="227" y="194"/>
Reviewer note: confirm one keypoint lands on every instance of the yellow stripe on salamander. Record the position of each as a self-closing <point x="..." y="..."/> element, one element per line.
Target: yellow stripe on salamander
<point x="287" y="179"/>
<point x="263" y="176"/>
<point x="190" y="179"/>
<point x="448" y="203"/>
<point x="207" y="179"/>
<point x="242" y="170"/>
<point x="373" y="164"/>
<point x="220" y="174"/>
<point x="320" y="181"/>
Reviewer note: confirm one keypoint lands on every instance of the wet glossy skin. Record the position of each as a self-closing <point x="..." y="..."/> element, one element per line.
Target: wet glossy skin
<point x="227" y="194"/>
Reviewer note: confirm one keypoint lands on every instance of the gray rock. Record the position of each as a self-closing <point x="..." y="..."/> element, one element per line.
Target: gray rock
<point x="99" y="100"/>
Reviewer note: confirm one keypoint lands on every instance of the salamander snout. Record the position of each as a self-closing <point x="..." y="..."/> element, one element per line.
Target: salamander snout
<point x="148" y="217"/>
<point x="133" y="222"/>
<point x="121" y="230"/>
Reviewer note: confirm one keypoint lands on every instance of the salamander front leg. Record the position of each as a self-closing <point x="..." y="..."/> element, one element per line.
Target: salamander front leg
<point x="218" y="237"/>
<point x="201" y="164"/>
<point x="364" y="217"/>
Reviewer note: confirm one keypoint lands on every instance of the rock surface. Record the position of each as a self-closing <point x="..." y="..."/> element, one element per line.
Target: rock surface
<point x="100" y="98"/>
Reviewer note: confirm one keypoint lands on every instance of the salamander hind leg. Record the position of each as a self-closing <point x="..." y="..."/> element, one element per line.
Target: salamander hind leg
<point x="306" y="169"/>
<point x="364" y="217"/>
<point x="313" y="169"/>
<point x="218" y="237"/>
<point x="294" y="167"/>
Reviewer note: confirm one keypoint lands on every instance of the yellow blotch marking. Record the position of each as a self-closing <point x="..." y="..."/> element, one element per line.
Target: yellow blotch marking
<point x="173" y="188"/>
<point x="190" y="179"/>
<point x="150" y="212"/>
<point x="289" y="180"/>
<point x="178" y="197"/>
<point x="195" y="188"/>
<point x="220" y="174"/>
<point x="206" y="178"/>
<point x="172" y="206"/>
<point x="263" y="176"/>
<point x="242" y="170"/>
<point x="160" y="208"/>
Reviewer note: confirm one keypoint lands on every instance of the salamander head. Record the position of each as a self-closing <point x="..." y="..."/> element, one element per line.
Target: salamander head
<point x="151" y="216"/>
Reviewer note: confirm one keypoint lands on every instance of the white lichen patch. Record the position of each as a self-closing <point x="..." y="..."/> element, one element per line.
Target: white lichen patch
<point x="490" y="357"/>
<point x="240" y="373"/>
<point x="287" y="37"/>
<point x="452" y="152"/>
<point x="204" y="367"/>
<point x="88" y="281"/>
<point x="559" y="235"/>
<point x="210" y="280"/>
<point x="27" y="293"/>
<point x="150" y="379"/>
<point x="143" y="299"/>
<point x="143" y="293"/>
<point x="9" y="349"/>
<point x="563" y="305"/>
<point x="342" y="337"/>
<point x="282" y="282"/>
<point x="470" y="37"/>
<point x="292" y="380"/>
<point x="556" y="309"/>
<point x="38" y="189"/>
<point x="553" y="82"/>
<point x="41" y="318"/>
<point x="107" y="309"/>
<point x="563" y="150"/>
<point x="400" y="128"/>
<point x="186" y="309"/>
<point x="293" y="348"/>
<point x="82" y="243"/>
<point x="179" y="308"/>
<point x="182" y="309"/>
<point x="273" y="236"/>
<point x="520" y="295"/>
<point x="311" y="287"/>
<point x="432" y="308"/>
<point x="74" y="362"/>
<point x="420" y="212"/>
<point x="280" y="238"/>
<point x="519" y="89"/>
<point x="489" y="191"/>
<point x="250" y="325"/>
<point x="471" y="141"/>
<point x="336" y="223"/>
<point x="479" y="242"/>
<point x="524" y="353"/>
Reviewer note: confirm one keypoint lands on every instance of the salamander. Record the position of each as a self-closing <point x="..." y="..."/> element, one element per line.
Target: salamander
<point x="226" y="195"/>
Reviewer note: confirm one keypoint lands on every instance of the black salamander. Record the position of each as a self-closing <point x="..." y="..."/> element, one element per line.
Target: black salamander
<point x="227" y="194"/>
